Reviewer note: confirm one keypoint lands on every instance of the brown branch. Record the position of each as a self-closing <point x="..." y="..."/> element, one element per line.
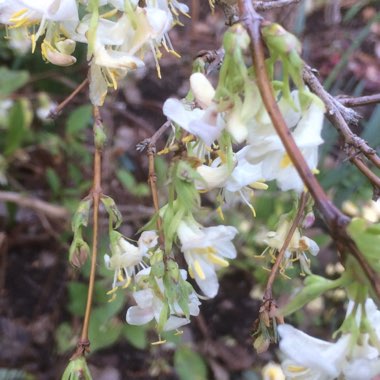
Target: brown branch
<point x="334" y="114"/>
<point x="281" y="253"/>
<point x="334" y="218"/>
<point x="360" y="101"/>
<point x="52" y="211"/>
<point x="268" y="5"/>
<point x="57" y="110"/>
<point x="150" y="144"/>
<point x="84" y="343"/>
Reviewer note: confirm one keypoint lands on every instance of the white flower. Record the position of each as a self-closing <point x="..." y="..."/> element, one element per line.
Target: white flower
<point x="267" y="148"/>
<point x="205" y="250"/>
<point x="349" y="358"/>
<point x="149" y="305"/>
<point x="204" y="122"/>
<point x="297" y="249"/>
<point x="126" y="257"/>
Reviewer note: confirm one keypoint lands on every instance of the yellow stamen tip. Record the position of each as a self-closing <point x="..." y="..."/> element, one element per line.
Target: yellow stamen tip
<point x="198" y="270"/>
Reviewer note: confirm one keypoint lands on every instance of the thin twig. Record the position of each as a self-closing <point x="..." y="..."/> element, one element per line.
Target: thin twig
<point x="268" y="5"/>
<point x="334" y="114"/>
<point x="51" y="211"/>
<point x="360" y="101"/>
<point x="334" y="218"/>
<point x="150" y="144"/>
<point x="281" y="253"/>
<point x="57" y="110"/>
<point x="84" y="343"/>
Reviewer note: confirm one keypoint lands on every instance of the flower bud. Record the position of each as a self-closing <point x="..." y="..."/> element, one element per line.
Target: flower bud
<point x="77" y="370"/>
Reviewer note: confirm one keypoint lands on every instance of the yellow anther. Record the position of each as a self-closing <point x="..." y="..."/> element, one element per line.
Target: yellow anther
<point x="112" y="76"/>
<point x="220" y="212"/>
<point x="109" y="14"/>
<point x="285" y="162"/>
<point x="218" y="260"/>
<point x="198" y="270"/>
<point x="178" y="332"/>
<point x="252" y="210"/>
<point x="191" y="272"/>
<point x="120" y="276"/>
<point x="296" y="368"/>
<point x="33" y="39"/>
<point x="315" y="171"/>
<point x="127" y="283"/>
<point x="187" y="139"/>
<point x="222" y="156"/>
<point x="160" y="341"/>
<point x="112" y="298"/>
<point x="164" y="151"/>
<point x="15" y="15"/>
<point x="173" y="52"/>
<point x="112" y="291"/>
<point x="259" y="185"/>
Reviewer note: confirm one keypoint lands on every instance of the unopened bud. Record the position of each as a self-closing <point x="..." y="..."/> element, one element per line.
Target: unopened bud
<point x="77" y="370"/>
<point x="280" y="40"/>
<point x="309" y="220"/>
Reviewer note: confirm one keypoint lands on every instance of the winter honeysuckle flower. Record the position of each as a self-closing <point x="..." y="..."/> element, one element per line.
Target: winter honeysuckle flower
<point x="351" y="357"/>
<point x="150" y="304"/>
<point x="126" y="257"/>
<point x="204" y="122"/>
<point x="205" y="250"/>
<point x="236" y="183"/>
<point x="297" y="249"/>
<point x="267" y="148"/>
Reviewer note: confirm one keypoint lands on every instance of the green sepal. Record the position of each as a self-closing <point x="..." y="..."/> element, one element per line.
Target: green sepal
<point x="100" y="138"/>
<point x="114" y="214"/>
<point x="314" y="287"/>
<point x="82" y="214"/>
<point x="157" y="264"/>
<point x="164" y="316"/>
<point x="77" y="369"/>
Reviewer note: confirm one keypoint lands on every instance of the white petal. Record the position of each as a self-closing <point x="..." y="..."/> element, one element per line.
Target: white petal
<point x="174" y="323"/>
<point x="144" y="298"/>
<point x="139" y="316"/>
<point x="202" y="89"/>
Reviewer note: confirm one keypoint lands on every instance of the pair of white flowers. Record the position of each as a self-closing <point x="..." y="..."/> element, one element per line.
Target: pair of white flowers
<point x="351" y="357"/>
<point x="263" y="156"/>
<point x="117" y="38"/>
<point x="126" y="258"/>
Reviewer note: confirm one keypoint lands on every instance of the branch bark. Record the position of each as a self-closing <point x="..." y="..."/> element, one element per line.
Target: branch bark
<point x="335" y="220"/>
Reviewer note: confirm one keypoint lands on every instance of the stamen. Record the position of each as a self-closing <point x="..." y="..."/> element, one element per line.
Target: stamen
<point x="198" y="270"/>
<point x="112" y="291"/>
<point x="285" y="162"/>
<point x="218" y="260"/>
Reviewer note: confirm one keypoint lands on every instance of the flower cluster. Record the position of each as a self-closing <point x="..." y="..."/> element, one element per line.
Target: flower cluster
<point x="355" y="355"/>
<point x="118" y="33"/>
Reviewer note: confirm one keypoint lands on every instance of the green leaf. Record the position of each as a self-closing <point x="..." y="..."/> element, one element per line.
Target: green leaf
<point x="103" y="331"/>
<point x="54" y="181"/>
<point x="77" y="298"/>
<point x="189" y="365"/>
<point x="79" y="120"/>
<point x="19" y="122"/>
<point x="314" y="287"/>
<point x="64" y="337"/>
<point x="128" y="181"/>
<point x="136" y="336"/>
<point x="367" y="238"/>
<point x="11" y="80"/>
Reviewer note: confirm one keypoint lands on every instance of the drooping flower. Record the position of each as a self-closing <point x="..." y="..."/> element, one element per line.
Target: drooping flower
<point x="204" y="122"/>
<point x="205" y="250"/>
<point x="297" y="249"/>
<point x="351" y="357"/>
<point x="267" y="148"/>
<point x="150" y="304"/>
<point x="126" y="257"/>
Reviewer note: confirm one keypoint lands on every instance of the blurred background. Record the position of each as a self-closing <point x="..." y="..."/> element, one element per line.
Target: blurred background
<point x="42" y="298"/>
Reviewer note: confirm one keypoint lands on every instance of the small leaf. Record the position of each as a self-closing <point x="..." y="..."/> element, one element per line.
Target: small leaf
<point x="189" y="365"/>
<point x="81" y="216"/>
<point x="78" y="120"/>
<point x="136" y="336"/>
<point x="11" y="80"/>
